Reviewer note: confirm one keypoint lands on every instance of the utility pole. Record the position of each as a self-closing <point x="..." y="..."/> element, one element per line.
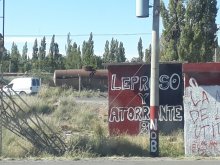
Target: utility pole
<point x="154" y="86"/>
<point x="3" y="35"/>
<point x="142" y="10"/>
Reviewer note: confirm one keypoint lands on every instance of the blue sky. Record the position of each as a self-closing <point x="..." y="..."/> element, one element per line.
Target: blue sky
<point x="26" y="20"/>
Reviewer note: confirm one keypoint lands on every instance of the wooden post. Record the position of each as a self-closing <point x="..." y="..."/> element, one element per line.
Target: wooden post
<point x="79" y="83"/>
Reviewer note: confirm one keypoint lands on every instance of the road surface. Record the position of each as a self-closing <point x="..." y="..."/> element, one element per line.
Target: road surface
<point x="114" y="161"/>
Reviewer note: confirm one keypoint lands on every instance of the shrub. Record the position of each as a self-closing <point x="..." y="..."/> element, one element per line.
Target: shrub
<point x="82" y="128"/>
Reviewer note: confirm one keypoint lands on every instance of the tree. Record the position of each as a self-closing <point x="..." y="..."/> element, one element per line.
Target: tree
<point x="113" y="50"/>
<point x="50" y="57"/>
<point x="51" y="49"/>
<point x="73" y="59"/>
<point x="116" y="52"/>
<point x="69" y="58"/>
<point x="189" y="30"/>
<point x="2" y="49"/>
<point x="78" y="58"/>
<point x="120" y="56"/>
<point x="24" y="52"/>
<point x="58" y="59"/>
<point x="42" y="54"/>
<point x="148" y="54"/>
<point x="15" y="58"/>
<point x="173" y="22"/>
<point x="34" y="60"/>
<point x="35" y="51"/>
<point x="198" y="40"/>
<point x="68" y="45"/>
<point x="25" y="65"/>
<point x="42" y="49"/>
<point x="106" y="53"/>
<point x="140" y="50"/>
<point x="88" y="58"/>
<point x="4" y="56"/>
<point x="99" y="62"/>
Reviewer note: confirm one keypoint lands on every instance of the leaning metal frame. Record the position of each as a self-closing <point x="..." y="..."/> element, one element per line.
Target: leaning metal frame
<point x="31" y="127"/>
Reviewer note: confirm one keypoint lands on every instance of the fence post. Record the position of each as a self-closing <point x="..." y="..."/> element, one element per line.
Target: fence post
<point x="79" y="83"/>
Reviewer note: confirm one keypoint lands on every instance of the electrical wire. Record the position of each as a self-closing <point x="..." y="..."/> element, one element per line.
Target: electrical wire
<point x="77" y="35"/>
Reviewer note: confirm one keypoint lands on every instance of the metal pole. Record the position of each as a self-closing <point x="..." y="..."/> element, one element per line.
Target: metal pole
<point x="1" y="134"/>
<point x="1" y="131"/>
<point x="79" y="83"/>
<point x="3" y="28"/>
<point x="3" y="34"/>
<point x="154" y="86"/>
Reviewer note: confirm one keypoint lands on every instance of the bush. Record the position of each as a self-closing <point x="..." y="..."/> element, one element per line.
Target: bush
<point x="83" y="130"/>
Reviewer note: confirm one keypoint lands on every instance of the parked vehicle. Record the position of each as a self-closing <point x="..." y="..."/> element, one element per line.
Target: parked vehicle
<point x="23" y="86"/>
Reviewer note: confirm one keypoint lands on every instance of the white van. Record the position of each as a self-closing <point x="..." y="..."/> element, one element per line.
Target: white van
<point x="23" y="85"/>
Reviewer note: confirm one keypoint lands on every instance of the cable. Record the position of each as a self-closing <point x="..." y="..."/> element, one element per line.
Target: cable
<point x="78" y="35"/>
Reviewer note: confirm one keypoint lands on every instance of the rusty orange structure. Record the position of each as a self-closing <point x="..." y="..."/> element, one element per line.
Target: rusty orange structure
<point x="82" y="79"/>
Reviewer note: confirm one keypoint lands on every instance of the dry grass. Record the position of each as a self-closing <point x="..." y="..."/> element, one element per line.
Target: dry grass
<point x="84" y="128"/>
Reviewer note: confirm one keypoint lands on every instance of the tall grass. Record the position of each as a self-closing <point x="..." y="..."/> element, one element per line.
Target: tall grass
<point x="16" y="147"/>
<point x="83" y="130"/>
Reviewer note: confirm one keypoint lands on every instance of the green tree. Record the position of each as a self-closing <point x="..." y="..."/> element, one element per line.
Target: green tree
<point x="15" y="58"/>
<point x="4" y="56"/>
<point x="58" y="59"/>
<point x="25" y="63"/>
<point x="1" y="46"/>
<point x="42" y="49"/>
<point x="42" y="54"/>
<point x="24" y="52"/>
<point x="79" y="58"/>
<point x="120" y="56"/>
<point x="148" y="54"/>
<point x="34" y="60"/>
<point x="88" y="58"/>
<point x="50" y="63"/>
<point x="99" y="62"/>
<point x="113" y="50"/>
<point x="140" y="50"/>
<point x="35" y="51"/>
<point x="6" y="61"/>
<point x="68" y="45"/>
<point x="69" y="57"/>
<point x="106" y="53"/>
<point x="198" y="40"/>
<point x="73" y="59"/>
<point x="173" y="22"/>
<point x="189" y="30"/>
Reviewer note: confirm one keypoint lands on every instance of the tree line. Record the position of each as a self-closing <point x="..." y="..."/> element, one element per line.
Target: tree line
<point x="189" y="35"/>
<point x="75" y="57"/>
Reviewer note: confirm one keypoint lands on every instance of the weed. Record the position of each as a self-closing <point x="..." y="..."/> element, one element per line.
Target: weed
<point x="82" y="128"/>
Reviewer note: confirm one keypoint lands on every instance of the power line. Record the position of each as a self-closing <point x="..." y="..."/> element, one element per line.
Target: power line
<point x="77" y="35"/>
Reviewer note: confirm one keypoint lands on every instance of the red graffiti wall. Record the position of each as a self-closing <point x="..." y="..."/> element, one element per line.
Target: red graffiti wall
<point x="129" y="98"/>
